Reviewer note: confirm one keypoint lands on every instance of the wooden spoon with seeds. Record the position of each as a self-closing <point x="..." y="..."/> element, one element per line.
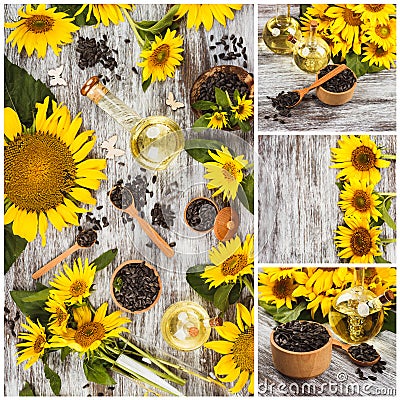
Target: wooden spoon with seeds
<point x="80" y="243"/>
<point x="127" y="204"/>
<point x="318" y="82"/>
<point x="345" y="347"/>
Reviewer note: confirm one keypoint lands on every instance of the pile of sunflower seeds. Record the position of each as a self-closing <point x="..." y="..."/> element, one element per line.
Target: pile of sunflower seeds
<point x="233" y="49"/>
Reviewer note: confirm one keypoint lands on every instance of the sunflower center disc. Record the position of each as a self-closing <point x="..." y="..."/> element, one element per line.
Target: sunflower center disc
<point x="370" y="274"/>
<point x="234" y="264"/>
<point x="230" y="171"/>
<point x="283" y="288"/>
<point x="39" y="23"/>
<point x="161" y="54"/>
<point x="78" y="288"/>
<point x="243" y="350"/>
<point x="361" y="201"/>
<point x="38" y="170"/>
<point x="39" y="344"/>
<point x="363" y="158"/>
<point x="374" y="7"/>
<point x="382" y="31"/>
<point x="361" y="242"/>
<point x="60" y="316"/>
<point x="89" y="333"/>
<point x="351" y="18"/>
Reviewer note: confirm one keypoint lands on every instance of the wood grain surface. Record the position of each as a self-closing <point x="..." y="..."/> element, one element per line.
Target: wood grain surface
<point x="372" y="108"/>
<point x="174" y="187"/>
<point x="340" y="379"/>
<point x="298" y="210"/>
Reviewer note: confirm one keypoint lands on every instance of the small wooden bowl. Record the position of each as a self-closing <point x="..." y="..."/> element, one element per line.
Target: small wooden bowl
<point x="335" y="99"/>
<point x="243" y="75"/>
<point x="112" y="286"/>
<point x="187" y="206"/>
<point x="226" y="224"/>
<point x="301" y="365"/>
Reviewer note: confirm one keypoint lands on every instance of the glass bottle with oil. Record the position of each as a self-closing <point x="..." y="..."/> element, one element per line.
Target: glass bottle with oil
<point x="186" y="325"/>
<point x="277" y="29"/>
<point x="311" y="53"/>
<point x="155" y="140"/>
<point x="357" y="314"/>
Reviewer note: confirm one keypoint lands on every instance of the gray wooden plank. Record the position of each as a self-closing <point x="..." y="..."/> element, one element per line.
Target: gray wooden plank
<point x="340" y="379"/>
<point x="298" y="210"/>
<point x="372" y="108"/>
<point x="191" y="249"/>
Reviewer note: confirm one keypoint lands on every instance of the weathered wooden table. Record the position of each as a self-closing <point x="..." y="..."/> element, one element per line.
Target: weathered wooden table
<point x="340" y="379"/>
<point x="298" y="198"/>
<point x="175" y="187"/>
<point x="372" y="108"/>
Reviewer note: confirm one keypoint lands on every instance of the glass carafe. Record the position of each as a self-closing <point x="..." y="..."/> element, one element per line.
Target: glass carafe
<point x="155" y="140"/>
<point x="357" y="313"/>
<point x="311" y="53"/>
<point x="277" y="29"/>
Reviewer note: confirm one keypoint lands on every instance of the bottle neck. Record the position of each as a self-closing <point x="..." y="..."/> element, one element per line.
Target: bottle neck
<point x="359" y="274"/>
<point x="113" y="106"/>
<point x="313" y="33"/>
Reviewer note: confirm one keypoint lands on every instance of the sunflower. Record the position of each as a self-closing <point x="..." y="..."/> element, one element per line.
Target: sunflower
<point x="40" y="27"/>
<point x="105" y="13"/>
<point x="59" y="315"/>
<point x="73" y="286"/>
<point x="230" y="261"/>
<point x="375" y="13"/>
<point x="359" y="157"/>
<point x="244" y="109"/>
<point x="198" y="14"/>
<point x="45" y="171"/>
<point x="317" y="12"/>
<point x="347" y="23"/>
<point x="278" y="292"/>
<point x="339" y="45"/>
<point x="380" y="279"/>
<point x="90" y="333"/>
<point x="218" y="120"/>
<point x="225" y="174"/>
<point x="321" y="279"/>
<point x="35" y="343"/>
<point x="276" y="273"/>
<point x="358" y="200"/>
<point x="383" y="35"/>
<point x="162" y="58"/>
<point x="378" y="56"/>
<point x="358" y="241"/>
<point x="238" y="350"/>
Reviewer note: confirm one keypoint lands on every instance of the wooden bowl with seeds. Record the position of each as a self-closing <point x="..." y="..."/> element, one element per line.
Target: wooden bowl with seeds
<point x="135" y="286"/>
<point x="200" y="214"/>
<point x="203" y="87"/>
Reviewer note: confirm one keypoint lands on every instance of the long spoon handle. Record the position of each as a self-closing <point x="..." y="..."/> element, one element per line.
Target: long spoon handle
<point x="343" y="346"/>
<point x="328" y="76"/>
<point x="57" y="260"/>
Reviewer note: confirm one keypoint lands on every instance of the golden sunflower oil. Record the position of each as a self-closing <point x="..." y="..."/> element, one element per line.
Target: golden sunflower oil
<point x="185" y="325"/>
<point x="155" y="140"/>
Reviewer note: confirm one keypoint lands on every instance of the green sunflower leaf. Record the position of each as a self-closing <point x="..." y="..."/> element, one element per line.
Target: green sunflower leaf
<point x="198" y="284"/>
<point x="26" y="390"/>
<point x="201" y="123"/>
<point x="22" y="92"/>
<point x="96" y="371"/>
<point x="221" y="296"/>
<point x="105" y="259"/>
<point x="381" y="260"/>
<point x="14" y="245"/>
<point x="353" y="61"/>
<point x="235" y="293"/>
<point x="146" y="84"/>
<point x="41" y="295"/>
<point x="222" y="98"/>
<point x="71" y="9"/>
<point x="285" y="314"/>
<point x="390" y="321"/>
<point x="246" y="192"/>
<point x="385" y="216"/>
<point x="163" y="23"/>
<point x="198" y="149"/>
<point x="54" y="379"/>
<point x="203" y="105"/>
<point x="245" y="126"/>
<point x="65" y="351"/>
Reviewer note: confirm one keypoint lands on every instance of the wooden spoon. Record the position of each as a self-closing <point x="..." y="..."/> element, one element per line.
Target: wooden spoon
<point x="128" y="206"/>
<point x="61" y="257"/>
<point x="346" y="347"/>
<point x="318" y="82"/>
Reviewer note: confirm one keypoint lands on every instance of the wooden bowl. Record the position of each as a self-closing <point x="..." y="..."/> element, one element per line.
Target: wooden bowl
<point x="226" y="224"/>
<point x="112" y="286"/>
<point x="243" y="75"/>
<point x="335" y="99"/>
<point x="301" y="365"/>
<point x="187" y="206"/>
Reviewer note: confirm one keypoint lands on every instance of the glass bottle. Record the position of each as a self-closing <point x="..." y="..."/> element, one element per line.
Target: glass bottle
<point x="155" y="140"/>
<point x="277" y="29"/>
<point x="311" y="53"/>
<point x="357" y="313"/>
<point x="186" y="325"/>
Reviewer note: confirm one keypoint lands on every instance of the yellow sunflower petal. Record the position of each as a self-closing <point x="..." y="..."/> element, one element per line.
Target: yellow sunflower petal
<point x="221" y="347"/>
<point x="12" y="124"/>
<point x="243" y="377"/>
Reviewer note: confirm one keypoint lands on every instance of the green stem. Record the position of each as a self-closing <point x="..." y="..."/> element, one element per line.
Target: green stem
<point x="249" y="286"/>
<point x="134" y="28"/>
<point x="388" y="156"/>
<point x="389" y="194"/>
<point x="386" y="241"/>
